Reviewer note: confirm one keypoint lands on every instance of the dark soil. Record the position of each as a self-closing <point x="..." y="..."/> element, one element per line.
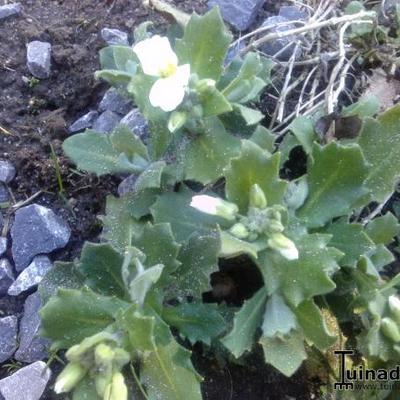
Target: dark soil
<point x="37" y="115"/>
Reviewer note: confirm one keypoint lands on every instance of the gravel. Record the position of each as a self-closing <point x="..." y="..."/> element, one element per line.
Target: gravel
<point x="114" y="101"/>
<point x="106" y="122"/>
<point x="84" y="122"/>
<point x="8" y="337"/>
<point x="8" y="10"/>
<point x="114" y="37"/>
<point x="7" y="171"/>
<point x="136" y="123"/>
<point x="6" y="276"/>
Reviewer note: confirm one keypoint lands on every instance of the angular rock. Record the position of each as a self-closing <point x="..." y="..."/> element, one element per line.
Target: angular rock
<point x="284" y="46"/>
<point x="8" y="337"/>
<point x="27" y="383"/>
<point x="113" y="100"/>
<point x="86" y="121"/>
<point x="106" y="122"/>
<point x="7" y="171"/>
<point x="136" y="123"/>
<point x="114" y="37"/>
<point x="127" y="185"/>
<point x="4" y="195"/>
<point x="9" y="10"/>
<point x="3" y="245"/>
<point x="38" y="59"/>
<point x="239" y="13"/>
<point x="293" y="13"/>
<point x="6" y="276"/>
<point x="31" y="346"/>
<point x="31" y="276"/>
<point x="36" y="230"/>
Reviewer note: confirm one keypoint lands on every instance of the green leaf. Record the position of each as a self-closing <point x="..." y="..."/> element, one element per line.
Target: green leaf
<point x="197" y="322"/>
<point x="140" y="33"/>
<point x="72" y="315"/>
<point x="118" y="224"/>
<point x="285" y="354"/>
<point x="246" y="322"/>
<point x="174" y="208"/>
<point x="150" y="178"/>
<point x="120" y="58"/>
<point x="306" y="277"/>
<point x="204" y="44"/>
<point x="125" y="141"/>
<point x="349" y="239"/>
<point x="215" y="104"/>
<point x="231" y="246"/>
<point x="85" y="390"/>
<point x="254" y="165"/>
<point x="278" y="318"/>
<point x="206" y="156"/>
<point x="263" y="138"/>
<point x="143" y="281"/>
<point x="335" y="181"/>
<point x="114" y="77"/>
<point x="62" y="275"/>
<point x="101" y="265"/>
<point x="380" y="143"/>
<point x="314" y="326"/>
<point x="250" y="115"/>
<point x="303" y="130"/>
<point x="366" y="107"/>
<point x="381" y="257"/>
<point x="383" y="229"/>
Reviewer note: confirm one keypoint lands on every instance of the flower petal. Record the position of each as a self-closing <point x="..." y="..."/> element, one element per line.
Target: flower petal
<point x="182" y="74"/>
<point x="155" y="55"/>
<point x="167" y="93"/>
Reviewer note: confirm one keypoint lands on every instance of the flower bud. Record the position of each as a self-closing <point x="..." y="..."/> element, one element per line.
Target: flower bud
<point x="215" y="206"/>
<point x="390" y="329"/>
<point x="71" y="375"/>
<point x="284" y="246"/>
<point x="239" y="230"/>
<point x="121" y="358"/>
<point x="103" y="355"/>
<point x="117" y="390"/>
<point x="176" y="120"/>
<point x="257" y="197"/>
<point x="205" y="87"/>
<point x="275" y="226"/>
<point x="394" y="305"/>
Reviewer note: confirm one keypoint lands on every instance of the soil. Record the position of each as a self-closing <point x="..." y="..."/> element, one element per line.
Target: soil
<point x="37" y="114"/>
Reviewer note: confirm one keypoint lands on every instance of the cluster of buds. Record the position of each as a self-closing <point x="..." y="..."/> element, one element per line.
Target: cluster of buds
<point x="260" y="221"/>
<point x="100" y="358"/>
<point x="390" y="326"/>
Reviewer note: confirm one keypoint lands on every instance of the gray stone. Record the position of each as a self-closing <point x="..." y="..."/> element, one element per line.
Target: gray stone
<point x="9" y="10"/>
<point x="136" y="123"/>
<point x="3" y="245"/>
<point x="114" y="37"/>
<point x="8" y="337"/>
<point x="127" y="185"/>
<point x="7" y="171"/>
<point x="86" y="121"/>
<point x="293" y="13"/>
<point x="4" y="195"/>
<point x="239" y="13"/>
<point x="36" y="230"/>
<point x="31" y="276"/>
<point x="113" y="100"/>
<point x="27" y="383"/>
<point x="106" y="122"/>
<point x="276" y="46"/>
<point x="6" y="276"/>
<point x="1" y="221"/>
<point x="38" y="59"/>
<point x="31" y="346"/>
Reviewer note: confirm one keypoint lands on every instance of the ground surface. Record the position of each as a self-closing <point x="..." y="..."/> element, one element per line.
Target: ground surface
<point x="37" y="116"/>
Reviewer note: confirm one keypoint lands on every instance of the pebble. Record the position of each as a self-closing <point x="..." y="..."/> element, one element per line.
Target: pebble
<point x="31" y="346"/>
<point x="6" y="276"/>
<point x="239" y="13"/>
<point x="106" y="122"/>
<point x="31" y="276"/>
<point x="38" y="59"/>
<point x="4" y="195"/>
<point x="3" y="245"/>
<point x="7" y="171"/>
<point x="86" y="121"/>
<point x="8" y="337"/>
<point x="9" y="10"/>
<point x="114" y="37"/>
<point x="27" y="383"/>
<point x="113" y="100"/>
<point x="136" y="123"/>
<point x="36" y="230"/>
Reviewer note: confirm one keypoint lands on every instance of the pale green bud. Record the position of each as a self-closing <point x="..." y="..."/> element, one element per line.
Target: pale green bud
<point x="206" y="87"/>
<point x="239" y="230"/>
<point x="121" y="358"/>
<point x="275" y="226"/>
<point x="176" y="120"/>
<point x="215" y="206"/>
<point x="117" y="390"/>
<point x="71" y="375"/>
<point x="102" y="382"/>
<point x="103" y="355"/>
<point x="394" y="305"/>
<point x="284" y="246"/>
<point x="257" y="197"/>
<point x="390" y="329"/>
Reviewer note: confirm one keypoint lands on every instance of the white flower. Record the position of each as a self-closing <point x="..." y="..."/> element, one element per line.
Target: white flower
<point x="284" y="246"/>
<point x="214" y="206"/>
<point x="158" y="59"/>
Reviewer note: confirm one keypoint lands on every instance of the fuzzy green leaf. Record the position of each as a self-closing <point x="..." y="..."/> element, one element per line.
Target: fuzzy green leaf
<point x="204" y="44"/>
<point x="335" y="181"/>
<point x="215" y="104"/>
<point x="383" y="229"/>
<point x="250" y="115"/>
<point x="72" y="315"/>
<point x="380" y="143"/>
<point x="150" y="178"/>
<point x="303" y="130"/>
<point x="254" y="165"/>
<point x="246" y="322"/>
